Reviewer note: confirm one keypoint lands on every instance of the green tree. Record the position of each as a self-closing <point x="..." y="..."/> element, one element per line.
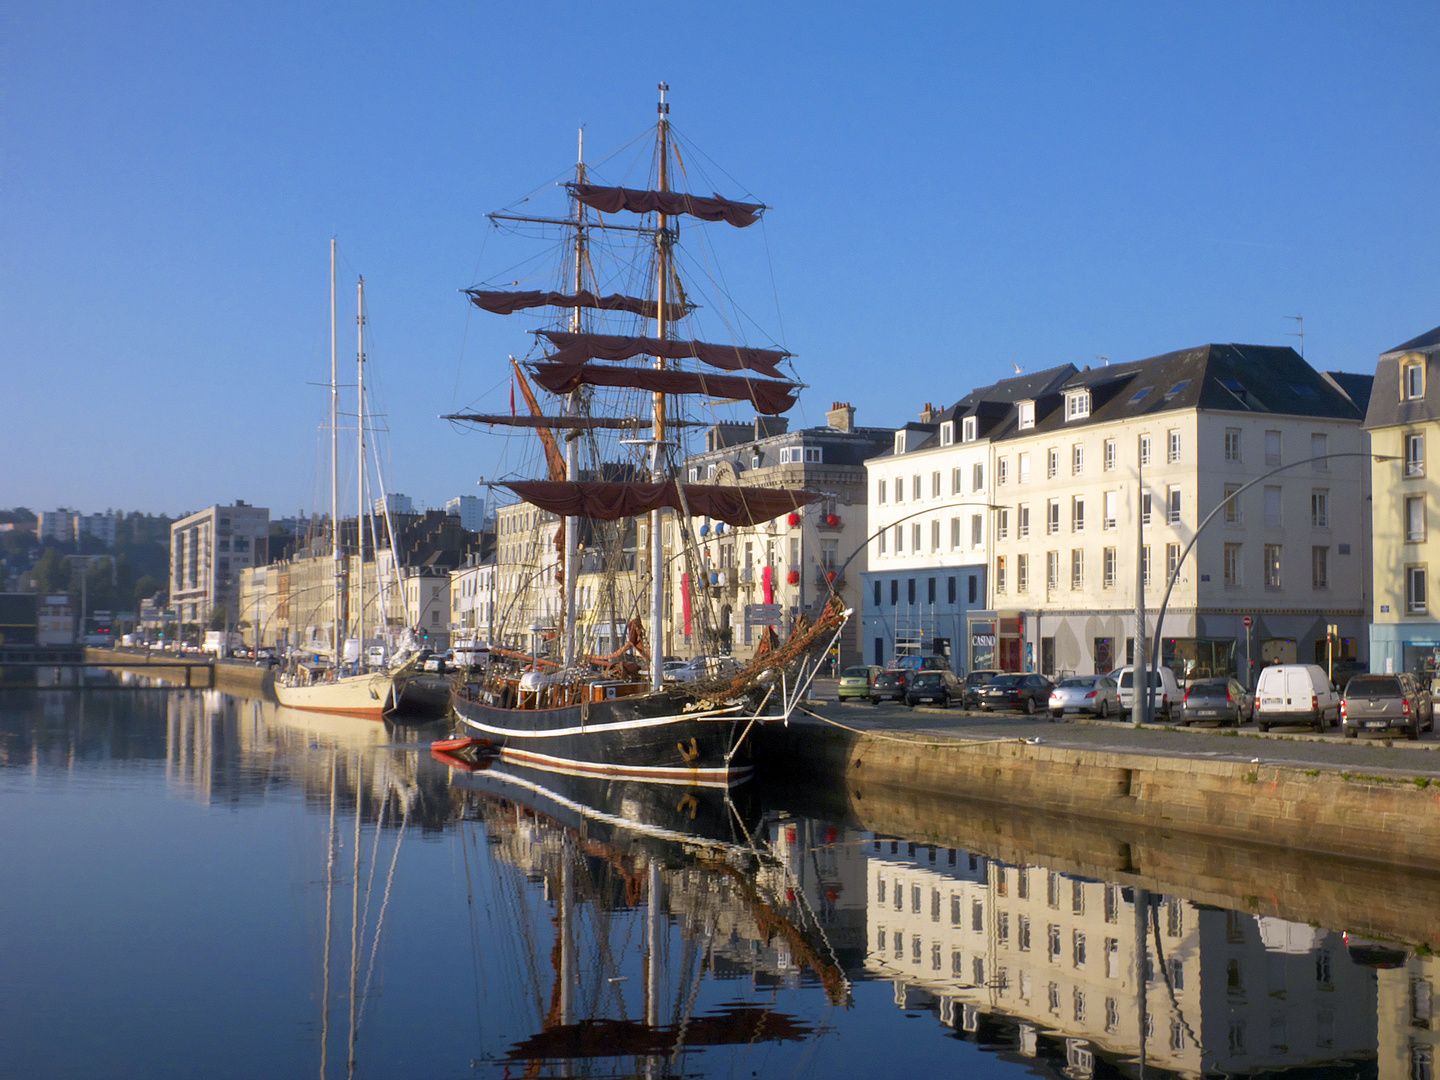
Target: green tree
<point x="52" y="572"/>
<point x="218" y="617"/>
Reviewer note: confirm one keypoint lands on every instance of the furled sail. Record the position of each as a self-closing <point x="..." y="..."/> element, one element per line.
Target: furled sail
<point x="507" y="303"/>
<point x="611" y="200"/>
<point x="577" y="348"/>
<point x="610" y="501"/>
<point x="767" y="396"/>
<point x="570" y="423"/>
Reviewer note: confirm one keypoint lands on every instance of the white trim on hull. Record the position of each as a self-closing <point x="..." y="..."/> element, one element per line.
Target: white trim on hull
<point x="370" y="696"/>
<point x="594" y="729"/>
<point x="725" y="777"/>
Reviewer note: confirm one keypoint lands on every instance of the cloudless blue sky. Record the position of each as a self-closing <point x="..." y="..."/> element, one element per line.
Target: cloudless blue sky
<point x="955" y="188"/>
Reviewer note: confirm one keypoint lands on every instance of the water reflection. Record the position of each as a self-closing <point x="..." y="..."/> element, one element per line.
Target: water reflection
<point x="556" y="925"/>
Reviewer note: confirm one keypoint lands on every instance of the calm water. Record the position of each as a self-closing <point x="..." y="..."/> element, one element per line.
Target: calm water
<point x="198" y="885"/>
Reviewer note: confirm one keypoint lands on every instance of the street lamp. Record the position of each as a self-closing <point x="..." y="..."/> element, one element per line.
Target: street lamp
<point x="1160" y="617"/>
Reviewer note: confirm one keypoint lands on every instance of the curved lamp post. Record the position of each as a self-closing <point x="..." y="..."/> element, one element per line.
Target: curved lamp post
<point x="840" y="571"/>
<point x="1160" y="616"/>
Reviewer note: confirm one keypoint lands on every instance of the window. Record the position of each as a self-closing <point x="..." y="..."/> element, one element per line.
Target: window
<point x="1077" y="949"/>
<point x="977" y="477"/>
<point x="1052" y="463"/>
<point x="1145" y="509"/>
<point x="915" y="488"/>
<point x="950" y="590"/>
<point x="1077" y="568"/>
<point x="976" y="529"/>
<point x="1272" y="448"/>
<point x="935" y="484"/>
<point x="1022" y="521"/>
<point x="877" y="604"/>
<point x="899" y="531"/>
<point x="1145" y="564"/>
<point x="813" y="455"/>
<point x="1052" y="516"/>
<point x="1002" y="523"/>
<point x="1052" y="945"/>
<point x="880" y="492"/>
<point x="1318" y="449"/>
<point x="967" y="429"/>
<point x="1412" y="381"/>
<point x="1022" y="932"/>
<point x="1112" y="913"/>
<point x="1172" y="560"/>
<point x="1112" y="503"/>
<point x="1077" y="459"/>
<point x="1077" y="514"/>
<point x="1232" y="506"/>
<point x="935" y="534"/>
<point x="1172" y="505"/>
<point x="1272" y="566"/>
<point x="954" y="533"/>
<point x="947" y="433"/>
<point x="1107" y="562"/>
<point x="1415" y="590"/>
<point x="694" y="473"/>
<point x="1232" y="565"/>
<point x="710" y="471"/>
<point x="1108" y="457"/>
<point x="1052" y="569"/>
<point x="1272" y="508"/>
<point x="1002" y="926"/>
<point x="915" y="537"/>
<point x="1232" y="444"/>
<point x="1144" y="449"/>
<point x="1173" y="453"/>
<point x="999" y="573"/>
<point x="1414" y="455"/>
<point x="1319" y="568"/>
<point x="899" y="489"/>
<point x="1022" y="573"/>
<point x="755" y="461"/>
<point x="880" y="539"/>
<point x="956" y="481"/>
<point x="1415" y="517"/>
<point x="1023" y="468"/>
<point x="1026" y="411"/>
<point x="1002" y="470"/>
<point x="1319" y="509"/>
<point x="1077" y="405"/>
<point x="977" y="916"/>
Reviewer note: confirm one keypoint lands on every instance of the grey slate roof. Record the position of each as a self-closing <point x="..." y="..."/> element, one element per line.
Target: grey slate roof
<point x="1424" y="343"/>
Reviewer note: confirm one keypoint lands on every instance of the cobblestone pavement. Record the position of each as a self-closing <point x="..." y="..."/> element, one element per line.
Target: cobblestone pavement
<point x="1298" y="747"/>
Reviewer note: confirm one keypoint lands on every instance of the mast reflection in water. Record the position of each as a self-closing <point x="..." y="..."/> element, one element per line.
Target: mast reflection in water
<point x="219" y="887"/>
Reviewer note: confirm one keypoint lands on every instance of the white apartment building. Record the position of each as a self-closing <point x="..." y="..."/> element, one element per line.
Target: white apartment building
<point x="931" y="527"/>
<point x="472" y="600"/>
<point x="470" y="509"/>
<point x="396" y="503"/>
<point x="528" y="564"/>
<point x="208" y="552"/>
<point x="1291" y="553"/>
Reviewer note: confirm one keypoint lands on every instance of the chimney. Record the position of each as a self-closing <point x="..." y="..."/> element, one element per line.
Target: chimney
<point x="928" y="414"/>
<point x="841" y="416"/>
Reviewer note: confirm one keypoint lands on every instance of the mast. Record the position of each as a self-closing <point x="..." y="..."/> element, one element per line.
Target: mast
<point x="334" y="464"/>
<point x="572" y="472"/>
<point x="662" y="249"/>
<point x="360" y="471"/>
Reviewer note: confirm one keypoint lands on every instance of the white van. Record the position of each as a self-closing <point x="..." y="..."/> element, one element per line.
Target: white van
<point x="1165" y="693"/>
<point x="1295" y="694"/>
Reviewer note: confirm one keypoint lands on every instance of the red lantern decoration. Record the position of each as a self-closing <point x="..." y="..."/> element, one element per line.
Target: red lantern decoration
<point x="793" y="577"/>
<point x="793" y="520"/>
<point x="833" y="520"/>
<point x="830" y="578"/>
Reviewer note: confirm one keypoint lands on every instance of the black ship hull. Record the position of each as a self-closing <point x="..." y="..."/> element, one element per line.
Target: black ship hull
<point x="646" y="738"/>
<point x="424" y="697"/>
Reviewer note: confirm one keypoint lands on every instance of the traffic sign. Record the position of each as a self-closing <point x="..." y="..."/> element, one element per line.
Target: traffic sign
<point x="1247" y="620"/>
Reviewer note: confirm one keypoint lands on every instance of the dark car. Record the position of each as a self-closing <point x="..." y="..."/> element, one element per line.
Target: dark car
<point x="1028" y="693"/>
<point x="890" y="686"/>
<point x="934" y="687"/>
<point x="1381" y="702"/>
<point x="974" y="683"/>
<point x="1215" y="701"/>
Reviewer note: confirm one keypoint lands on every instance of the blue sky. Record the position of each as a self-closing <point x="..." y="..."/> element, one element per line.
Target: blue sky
<point x="955" y="189"/>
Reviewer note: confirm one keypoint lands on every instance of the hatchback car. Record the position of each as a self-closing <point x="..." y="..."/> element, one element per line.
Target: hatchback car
<point x="1028" y="693"/>
<point x="855" y="682"/>
<point x="1223" y="702"/>
<point x="1379" y="703"/>
<point x="974" y="683"/>
<point x="1094" y="694"/>
<point x="934" y="687"/>
<point x="890" y="686"/>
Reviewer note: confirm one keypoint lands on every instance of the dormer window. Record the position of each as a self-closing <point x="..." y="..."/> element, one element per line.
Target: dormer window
<point x="754" y="461"/>
<point x="1412" y="381"/>
<point x="968" y="432"/>
<point x="899" y="442"/>
<point x="1077" y="405"/>
<point x="1027" y="414"/>
<point x="947" y="433"/>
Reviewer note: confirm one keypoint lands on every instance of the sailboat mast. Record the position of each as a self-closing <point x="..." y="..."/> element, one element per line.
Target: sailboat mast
<point x="572" y="471"/>
<point x="360" y="470"/>
<point x="334" y="463"/>
<point x="662" y="248"/>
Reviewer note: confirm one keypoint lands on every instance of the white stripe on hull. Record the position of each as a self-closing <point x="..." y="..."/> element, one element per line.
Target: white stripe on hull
<point x="724" y="777"/>
<point x="594" y="729"/>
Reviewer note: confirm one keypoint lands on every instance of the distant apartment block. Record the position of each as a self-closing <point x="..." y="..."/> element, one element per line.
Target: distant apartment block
<point x="396" y="503"/>
<point x="470" y="509"/>
<point x="208" y="551"/>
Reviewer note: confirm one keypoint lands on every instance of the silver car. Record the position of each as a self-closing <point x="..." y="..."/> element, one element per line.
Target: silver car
<point x="1098" y="695"/>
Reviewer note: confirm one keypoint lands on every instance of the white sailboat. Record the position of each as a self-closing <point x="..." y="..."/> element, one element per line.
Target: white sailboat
<point x="370" y="694"/>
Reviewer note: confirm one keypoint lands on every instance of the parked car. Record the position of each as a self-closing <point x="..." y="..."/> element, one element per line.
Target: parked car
<point x="699" y="668"/>
<point x="1295" y="694"/>
<point x="855" y="682"/>
<point x="920" y="663"/>
<point x="1164" y="691"/>
<point x="890" y="685"/>
<point x="1095" y="694"/>
<point x="1215" y="701"/>
<point x="1382" y="702"/>
<point x="936" y="687"/>
<point x="974" y="683"/>
<point x="1028" y="693"/>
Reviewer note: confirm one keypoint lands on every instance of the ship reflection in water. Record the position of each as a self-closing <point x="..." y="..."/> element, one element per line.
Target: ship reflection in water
<point x="417" y="915"/>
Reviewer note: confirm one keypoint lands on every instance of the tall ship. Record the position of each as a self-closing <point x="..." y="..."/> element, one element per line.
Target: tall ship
<point x="625" y="376"/>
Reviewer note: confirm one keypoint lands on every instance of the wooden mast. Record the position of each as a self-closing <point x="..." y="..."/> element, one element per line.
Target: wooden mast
<point x="572" y="471"/>
<point x="360" y="473"/>
<point x="657" y="558"/>
<point x="335" y="631"/>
